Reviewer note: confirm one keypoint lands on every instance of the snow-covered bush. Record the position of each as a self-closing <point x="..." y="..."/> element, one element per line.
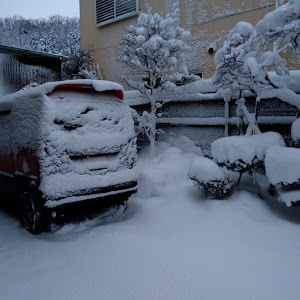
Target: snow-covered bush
<point x="283" y="165"/>
<point x="208" y="176"/>
<point x="81" y="66"/>
<point x="296" y="133"/>
<point x="283" y="170"/>
<point x="244" y="153"/>
<point x="155" y="50"/>
<point x="243" y="65"/>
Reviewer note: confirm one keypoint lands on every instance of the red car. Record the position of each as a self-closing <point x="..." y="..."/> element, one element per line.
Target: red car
<point x="65" y="145"/>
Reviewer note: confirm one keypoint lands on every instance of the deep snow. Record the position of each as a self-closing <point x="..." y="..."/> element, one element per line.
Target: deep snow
<point x="171" y="243"/>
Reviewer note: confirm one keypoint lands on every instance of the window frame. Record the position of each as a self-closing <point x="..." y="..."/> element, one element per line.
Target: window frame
<point x="115" y="18"/>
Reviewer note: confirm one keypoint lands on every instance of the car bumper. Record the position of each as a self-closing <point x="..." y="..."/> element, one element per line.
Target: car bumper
<point x="120" y="191"/>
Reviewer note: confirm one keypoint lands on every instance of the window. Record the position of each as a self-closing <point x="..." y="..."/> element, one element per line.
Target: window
<point x="197" y="72"/>
<point x="108" y="11"/>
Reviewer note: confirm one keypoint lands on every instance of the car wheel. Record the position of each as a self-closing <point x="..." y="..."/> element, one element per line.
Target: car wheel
<point x="31" y="219"/>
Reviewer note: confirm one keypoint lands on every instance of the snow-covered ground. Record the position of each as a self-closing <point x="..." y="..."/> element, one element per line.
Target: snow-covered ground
<point x="171" y="243"/>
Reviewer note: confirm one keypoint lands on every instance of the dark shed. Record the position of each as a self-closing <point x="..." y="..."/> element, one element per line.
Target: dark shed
<point x="19" y="67"/>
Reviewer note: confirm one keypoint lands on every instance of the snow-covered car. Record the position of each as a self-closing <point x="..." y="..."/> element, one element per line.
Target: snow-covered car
<point x="65" y="144"/>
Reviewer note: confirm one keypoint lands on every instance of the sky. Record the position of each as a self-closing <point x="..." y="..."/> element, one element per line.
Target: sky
<point x="39" y="8"/>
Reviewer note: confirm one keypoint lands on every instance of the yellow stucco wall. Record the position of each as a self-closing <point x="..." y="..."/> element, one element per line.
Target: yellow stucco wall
<point x="208" y="20"/>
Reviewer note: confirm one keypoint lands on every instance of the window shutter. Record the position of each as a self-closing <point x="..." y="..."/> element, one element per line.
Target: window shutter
<point x="104" y="10"/>
<point x="125" y="6"/>
<point x="108" y="11"/>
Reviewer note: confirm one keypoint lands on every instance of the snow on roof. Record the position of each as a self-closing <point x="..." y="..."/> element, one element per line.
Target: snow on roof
<point x="245" y="148"/>
<point x="283" y="165"/>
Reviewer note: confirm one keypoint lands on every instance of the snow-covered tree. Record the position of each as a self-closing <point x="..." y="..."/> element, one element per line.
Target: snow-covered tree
<point x="229" y="60"/>
<point x="245" y="61"/>
<point x="57" y="34"/>
<point x="81" y="65"/>
<point x="46" y="42"/>
<point x="281" y="26"/>
<point x="155" y="50"/>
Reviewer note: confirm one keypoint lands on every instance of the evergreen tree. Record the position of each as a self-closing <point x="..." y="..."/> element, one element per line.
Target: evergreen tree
<point x="155" y="50"/>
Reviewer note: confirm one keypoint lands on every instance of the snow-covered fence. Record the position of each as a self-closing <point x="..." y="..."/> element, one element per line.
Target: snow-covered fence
<point x="202" y="116"/>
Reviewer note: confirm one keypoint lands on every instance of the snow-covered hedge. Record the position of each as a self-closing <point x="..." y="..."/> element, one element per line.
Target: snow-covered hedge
<point x="283" y="165"/>
<point x="208" y="176"/>
<point x="296" y="133"/>
<point x="243" y="153"/>
<point x="283" y="170"/>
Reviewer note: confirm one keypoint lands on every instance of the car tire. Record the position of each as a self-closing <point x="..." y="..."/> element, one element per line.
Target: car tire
<point x="31" y="219"/>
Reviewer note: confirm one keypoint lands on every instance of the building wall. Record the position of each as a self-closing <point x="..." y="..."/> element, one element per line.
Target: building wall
<point x="208" y="20"/>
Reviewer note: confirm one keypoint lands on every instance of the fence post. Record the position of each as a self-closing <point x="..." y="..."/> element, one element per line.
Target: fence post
<point x="226" y="114"/>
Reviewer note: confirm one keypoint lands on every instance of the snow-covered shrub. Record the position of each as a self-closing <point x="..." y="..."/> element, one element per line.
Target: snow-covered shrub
<point x="283" y="170"/>
<point x="81" y="66"/>
<point x="296" y="133"/>
<point x="208" y="176"/>
<point x="155" y="50"/>
<point x="283" y="165"/>
<point x="244" y="153"/>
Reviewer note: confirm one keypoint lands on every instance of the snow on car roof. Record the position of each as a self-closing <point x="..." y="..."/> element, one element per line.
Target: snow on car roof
<point x="97" y="85"/>
<point x="50" y="87"/>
